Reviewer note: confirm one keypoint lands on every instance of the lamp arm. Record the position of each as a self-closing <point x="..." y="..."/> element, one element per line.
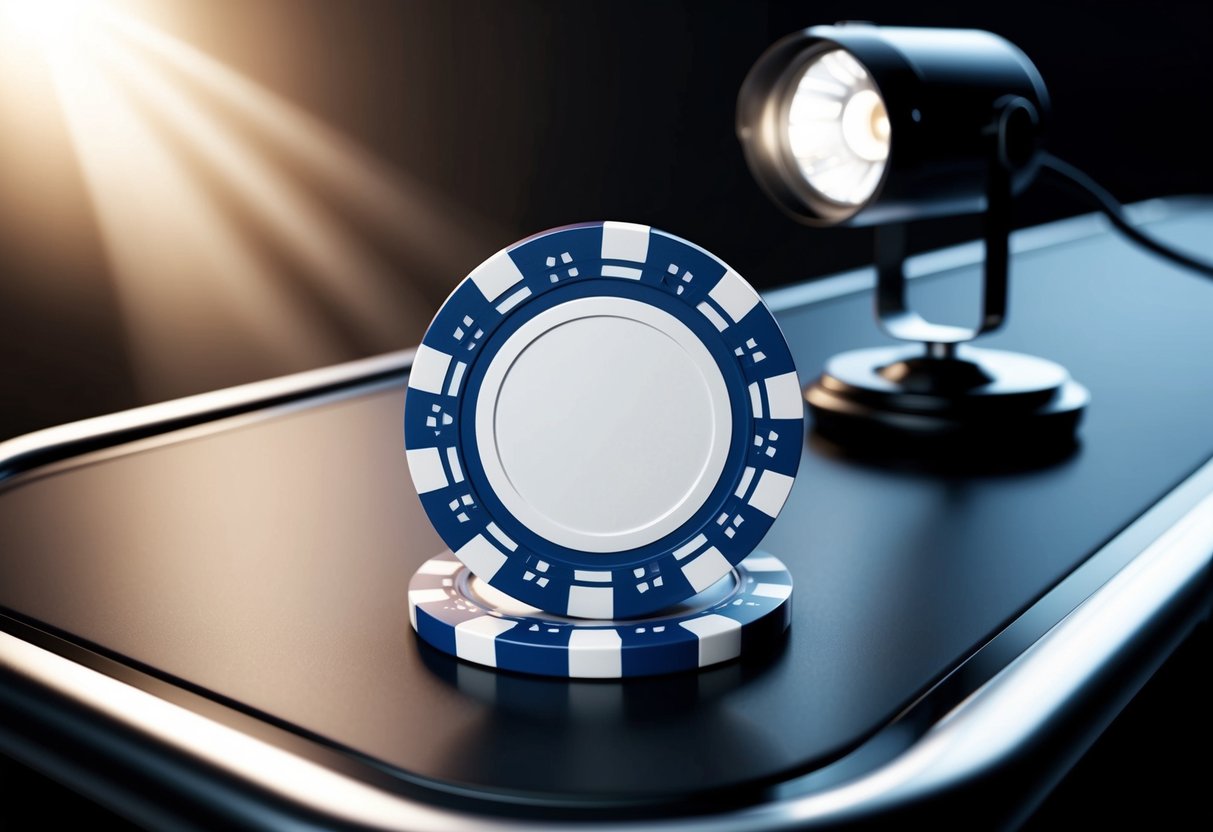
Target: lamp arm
<point x="892" y="304"/>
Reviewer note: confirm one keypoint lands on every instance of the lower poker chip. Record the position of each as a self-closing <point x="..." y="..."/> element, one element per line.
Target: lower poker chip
<point x="602" y="419"/>
<point x="463" y="616"/>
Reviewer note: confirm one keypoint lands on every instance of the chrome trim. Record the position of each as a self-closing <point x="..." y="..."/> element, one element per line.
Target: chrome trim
<point x="983" y="731"/>
<point x="16" y="452"/>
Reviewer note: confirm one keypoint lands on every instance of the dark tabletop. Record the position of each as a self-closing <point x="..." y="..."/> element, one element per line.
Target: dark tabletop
<point x="268" y="561"/>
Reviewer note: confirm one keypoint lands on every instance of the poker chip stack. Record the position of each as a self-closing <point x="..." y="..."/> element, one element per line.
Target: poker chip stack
<point x="602" y="423"/>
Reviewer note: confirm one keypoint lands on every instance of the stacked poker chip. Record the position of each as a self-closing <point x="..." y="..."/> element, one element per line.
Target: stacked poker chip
<point x="602" y="423"/>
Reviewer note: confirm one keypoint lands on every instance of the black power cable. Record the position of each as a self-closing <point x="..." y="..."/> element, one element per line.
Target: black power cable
<point x="1071" y="176"/>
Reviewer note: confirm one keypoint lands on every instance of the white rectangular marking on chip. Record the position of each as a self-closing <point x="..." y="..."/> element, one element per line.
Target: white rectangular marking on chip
<point x="622" y="271"/>
<point x="437" y="567"/>
<point x="429" y="369"/>
<point x="744" y="486"/>
<point x="772" y="590"/>
<point x="418" y="597"/>
<point x="591" y="602"/>
<point x="482" y="557"/>
<point x="476" y="638"/>
<point x="425" y="466"/>
<point x="756" y="400"/>
<point x="763" y="563"/>
<point x="591" y="577"/>
<point x="687" y="548"/>
<point x="495" y="275"/>
<point x="771" y="492"/>
<point x="625" y="241"/>
<point x="712" y="315"/>
<point x="783" y="397"/>
<point x="514" y="299"/>
<point x="719" y="637"/>
<point x="456" y="379"/>
<point x="595" y="654"/>
<point x="706" y="569"/>
<point x="734" y="295"/>
<point x="452" y="458"/>
<point x="502" y="538"/>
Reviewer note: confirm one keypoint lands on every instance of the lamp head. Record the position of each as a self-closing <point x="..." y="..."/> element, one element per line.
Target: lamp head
<point x="857" y="124"/>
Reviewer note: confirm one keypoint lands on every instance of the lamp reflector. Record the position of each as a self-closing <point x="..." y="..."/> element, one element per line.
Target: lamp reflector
<point x="837" y="128"/>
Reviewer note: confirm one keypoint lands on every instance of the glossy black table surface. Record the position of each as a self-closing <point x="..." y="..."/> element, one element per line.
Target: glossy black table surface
<point x="263" y="560"/>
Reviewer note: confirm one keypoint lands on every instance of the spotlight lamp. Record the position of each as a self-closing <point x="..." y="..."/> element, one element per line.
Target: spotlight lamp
<point x="857" y="124"/>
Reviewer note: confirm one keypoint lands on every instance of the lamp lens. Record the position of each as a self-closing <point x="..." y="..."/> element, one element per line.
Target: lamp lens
<point x="837" y="128"/>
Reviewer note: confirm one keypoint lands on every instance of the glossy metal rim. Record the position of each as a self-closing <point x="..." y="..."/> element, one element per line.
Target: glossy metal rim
<point x="1014" y="707"/>
<point x="32" y="450"/>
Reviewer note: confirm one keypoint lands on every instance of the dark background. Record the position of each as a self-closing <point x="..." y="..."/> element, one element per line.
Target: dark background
<point x="517" y="116"/>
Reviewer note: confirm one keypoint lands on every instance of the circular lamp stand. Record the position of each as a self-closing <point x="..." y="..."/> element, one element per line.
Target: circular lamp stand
<point x="983" y="400"/>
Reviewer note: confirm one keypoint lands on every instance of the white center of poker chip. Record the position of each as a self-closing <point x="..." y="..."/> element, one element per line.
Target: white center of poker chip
<point x="603" y="424"/>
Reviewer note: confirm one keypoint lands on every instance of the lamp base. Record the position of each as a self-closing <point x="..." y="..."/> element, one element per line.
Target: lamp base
<point x="987" y="401"/>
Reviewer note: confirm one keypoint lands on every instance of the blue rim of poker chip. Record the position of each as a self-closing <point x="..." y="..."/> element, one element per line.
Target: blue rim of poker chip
<point x="743" y="613"/>
<point x="602" y="420"/>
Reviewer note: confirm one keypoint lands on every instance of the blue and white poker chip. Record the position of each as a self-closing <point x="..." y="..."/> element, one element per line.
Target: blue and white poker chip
<point x="602" y="420"/>
<point x="742" y="613"/>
